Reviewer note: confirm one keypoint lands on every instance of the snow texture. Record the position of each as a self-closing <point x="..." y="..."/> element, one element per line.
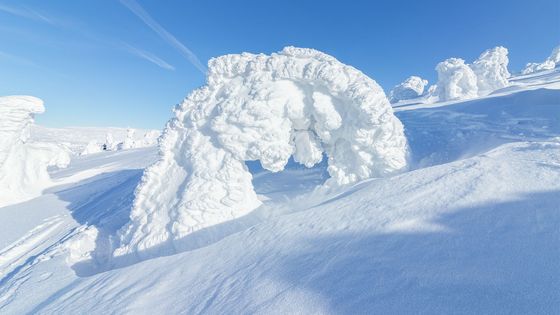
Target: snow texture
<point x="491" y="70"/>
<point x="550" y="63"/>
<point x="23" y="164"/>
<point x="298" y="102"/>
<point x="412" y="87"/>
<point x="456" y="80"/>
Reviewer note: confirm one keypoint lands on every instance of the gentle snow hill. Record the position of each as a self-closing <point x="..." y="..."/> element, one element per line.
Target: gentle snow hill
<point x="473" y="228"/>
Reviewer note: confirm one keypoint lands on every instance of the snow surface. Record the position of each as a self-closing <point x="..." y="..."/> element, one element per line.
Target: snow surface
<point x="412" y="87"/>
<point x="298" y="102"/>
<point x="23" y="164"/>
<point x="472" y="228"/>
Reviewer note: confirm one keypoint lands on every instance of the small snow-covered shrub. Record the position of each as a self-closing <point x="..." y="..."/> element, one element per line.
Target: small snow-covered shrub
<point x="412" y="87"/>
<point x="550" y="63"/>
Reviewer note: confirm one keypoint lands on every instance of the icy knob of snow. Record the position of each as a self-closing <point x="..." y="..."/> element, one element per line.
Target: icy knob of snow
<point x="23" y="164"/>
<point x="412" y="87"/>
<point x="456" y="80"/>
<point x="491" y="70"/>
<point x="298" y="102"/>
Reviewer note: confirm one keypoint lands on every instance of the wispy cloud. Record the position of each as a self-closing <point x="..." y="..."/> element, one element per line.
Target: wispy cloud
<point x="135" y="8"/>
<point x="15" y="59"/>
<point x="27" y="13"/>
<point x="148" y="56"/>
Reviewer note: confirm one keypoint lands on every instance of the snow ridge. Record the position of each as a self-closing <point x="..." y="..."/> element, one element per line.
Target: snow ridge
<point x="298" y="102"/>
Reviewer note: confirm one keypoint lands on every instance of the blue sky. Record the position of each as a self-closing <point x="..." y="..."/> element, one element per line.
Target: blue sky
<point x="126" y="63"/>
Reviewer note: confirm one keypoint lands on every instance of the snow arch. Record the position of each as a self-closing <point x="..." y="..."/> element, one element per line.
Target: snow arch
<point x="298" y="102"/>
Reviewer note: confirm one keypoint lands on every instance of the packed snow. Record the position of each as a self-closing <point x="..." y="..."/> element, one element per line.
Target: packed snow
<point x="23" y="164"/>
<point x="298" y="102"/>
<point x="470" y="226"/>
<point x="412" y="87"/>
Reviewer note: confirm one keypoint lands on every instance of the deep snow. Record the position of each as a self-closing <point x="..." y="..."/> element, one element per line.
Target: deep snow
<point x="473" y="228"/>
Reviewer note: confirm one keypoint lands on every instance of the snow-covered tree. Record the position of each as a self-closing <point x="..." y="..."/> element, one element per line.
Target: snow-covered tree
<point x="550" y="63"/>
<point x="491" y="70"/>
<point x="109" y="144"/>
<point x="92" y="147"/>
<point x="456" y="80"/>
<point x="23" y="164"/>
<point x="412" y="87"/>
<point x="298" y="102"/>
<point x="129" y="142"/>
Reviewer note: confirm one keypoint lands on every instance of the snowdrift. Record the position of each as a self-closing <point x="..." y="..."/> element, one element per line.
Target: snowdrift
<point x="298" y="102"/>
<point x="23" y="164"/>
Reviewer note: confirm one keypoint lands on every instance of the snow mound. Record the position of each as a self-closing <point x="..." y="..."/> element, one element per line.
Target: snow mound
<point x="550" y="63"/>
<point x="91" y="148"/>
<point x="456" y="80"/>
<point x="412" y="87"/>
<point x="491" y="70"/>
<point x="298" y="102"/>
<point x="23" y="164"/>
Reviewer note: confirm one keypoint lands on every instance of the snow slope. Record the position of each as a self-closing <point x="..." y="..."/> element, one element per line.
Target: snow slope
<point x="472" y="228"/>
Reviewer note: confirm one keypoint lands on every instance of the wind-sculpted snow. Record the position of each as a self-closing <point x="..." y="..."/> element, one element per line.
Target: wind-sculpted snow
<point x="23" y="165"/>
<point x="412" y="87"/>
<point x="550" y="63"/>
<point x="298" y="102"/>
<point x="456" y="80"/>
<point x="491" y="70"/>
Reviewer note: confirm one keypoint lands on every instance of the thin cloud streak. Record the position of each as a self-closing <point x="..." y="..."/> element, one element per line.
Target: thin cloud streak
<point x="149" y="57"/>
<point x="135" y="8"/>
<point x="15" y="59"/>
<point x="27" y="13"/>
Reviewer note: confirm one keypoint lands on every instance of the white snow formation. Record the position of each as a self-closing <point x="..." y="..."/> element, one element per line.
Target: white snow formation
<point x="298" y="102"/>
<point x="129" y="142"/>
<point x="456" y="80"/>
<point x="92" y="147"/>
<point x="412" y="87"/>
<point x="110" y="144"/>
<point x="491" y="70"/>
<point x="23" y="164"/>
<point x="550" y="63"/>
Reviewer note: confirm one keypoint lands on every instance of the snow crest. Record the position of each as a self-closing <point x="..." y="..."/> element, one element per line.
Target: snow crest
<point x="298" y="102"/>
<point x="23" y="164"/>
<point x="412" y="87"/>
